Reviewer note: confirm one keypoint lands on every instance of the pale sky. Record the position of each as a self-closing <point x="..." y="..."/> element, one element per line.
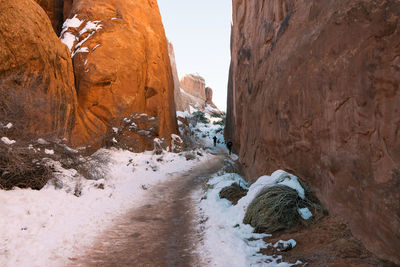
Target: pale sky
<point x="200" y="33"/>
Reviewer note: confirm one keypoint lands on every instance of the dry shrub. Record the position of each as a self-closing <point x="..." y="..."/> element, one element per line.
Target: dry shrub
<point x="233" y="193"/>
<point x="190" y="156"/>
<point x="21" y="167"/>
<point x="276" y="208"/>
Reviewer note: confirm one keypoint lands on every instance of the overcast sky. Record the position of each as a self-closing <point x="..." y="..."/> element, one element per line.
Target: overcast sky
<point x="200" y="33"/>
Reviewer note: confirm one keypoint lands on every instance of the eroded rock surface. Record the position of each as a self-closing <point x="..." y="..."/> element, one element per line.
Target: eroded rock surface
<point x="121" y="65"/>
<point x="54" y="9"/>
<point x="314" y="89"/>
<point x="36" y="75"/>
<point x="180" y="102"/>
<point x="193" y="92"/>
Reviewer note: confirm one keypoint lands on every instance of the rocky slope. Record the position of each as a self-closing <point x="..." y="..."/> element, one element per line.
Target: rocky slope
<point x="36" y="75"/>
<point x="314" y="89"/>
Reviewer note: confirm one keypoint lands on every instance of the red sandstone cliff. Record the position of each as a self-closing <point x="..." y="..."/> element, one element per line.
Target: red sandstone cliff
<point x="36" y="75"/>
<point x="180" y="101"/>
<point x="195" y="93"/>
<point x="121" y="65"/>
<point x="314" y="89"/>
<point x="54" y="9"/>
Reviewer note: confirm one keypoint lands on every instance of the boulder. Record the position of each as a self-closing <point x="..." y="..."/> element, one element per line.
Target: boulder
<point x="36" y="77"/>
<point x="314" y="89"/>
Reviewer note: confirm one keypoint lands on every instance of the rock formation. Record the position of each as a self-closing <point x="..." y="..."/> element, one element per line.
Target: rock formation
<point x="54" y="9"/>
<point x="209" y="98"/>
<point x="180" y="103"/>
<point x="120" y="68"/>
<point x="36" y="74"/>
<point x="193" y="92"/>
<point x="121" y="65"/>
<point x="194" y="85"/>
<point x="314" y="89"/>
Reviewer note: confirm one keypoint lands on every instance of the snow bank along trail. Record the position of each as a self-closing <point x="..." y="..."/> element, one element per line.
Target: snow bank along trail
<point x="161" y="232"/>
<point x="50" y="226"/>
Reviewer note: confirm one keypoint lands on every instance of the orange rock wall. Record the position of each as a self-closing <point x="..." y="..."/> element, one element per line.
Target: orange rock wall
<point x="180" y="102"/>
<point x="54" y="9"/>
<point x="36" y="74"/>
<point x="314" y="90"/>
<point x="121" y="65"/>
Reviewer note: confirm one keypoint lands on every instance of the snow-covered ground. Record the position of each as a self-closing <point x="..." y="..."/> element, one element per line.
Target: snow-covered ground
<point x="51" y="226"/>
<point x="227" y="241"/>
<point x="46" y="227"/>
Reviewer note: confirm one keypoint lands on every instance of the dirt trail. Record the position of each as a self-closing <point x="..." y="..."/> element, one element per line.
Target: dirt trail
<point x="159" y="233"/>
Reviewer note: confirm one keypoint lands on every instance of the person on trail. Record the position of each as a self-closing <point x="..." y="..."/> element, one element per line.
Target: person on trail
<point x="215" y="140"/>
<point x="229" y="145"/>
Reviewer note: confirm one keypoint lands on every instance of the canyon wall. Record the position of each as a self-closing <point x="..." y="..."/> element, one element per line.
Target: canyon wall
<point x="54" y="9"/>
<point x="117" y="67"/>
<point x="121" y="66"/>
<point x="36" y="74"/>
<point x="314" y="90"/>
<point x="180" y="102"/>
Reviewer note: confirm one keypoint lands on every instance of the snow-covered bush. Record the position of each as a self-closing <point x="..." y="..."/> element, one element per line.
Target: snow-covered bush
<point x="22" y="167"/>
<point x="281" y="205"/>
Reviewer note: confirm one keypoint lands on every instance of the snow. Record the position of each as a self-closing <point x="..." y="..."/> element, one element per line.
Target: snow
<point x="50" y="226"/>
<point x="7" y="141"/>
<point x="115" y="130"/>
<point x="71" y="23"/>
<point x="227" y="241"/>
<point x="9" y="125"/>
<point x="91" y="26"/>
<point x="94" y="48"/>
<point x="182" y="114"/>
<point x="305" y="213"/>
<point x="42" y="141"/>
<point x="279" y="177"/>
<point x="49" y="151"/>
<point x="81" y="50"/>
<point x="69" y="39"/>
<point x="211" y="109"/>
<point x="285" y="244"/>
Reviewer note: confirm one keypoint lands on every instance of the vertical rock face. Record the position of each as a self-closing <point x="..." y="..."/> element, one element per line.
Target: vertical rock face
<point x="314" y="89"/>
<point x="194" y="85"/>
<point x="121" y="65"/>
<point x="54" y="9"/>
<point x="209" y="97"/>
<point x="180" y="104"/>
<point x="195" y="93"/>
<point x="36" y="75"/>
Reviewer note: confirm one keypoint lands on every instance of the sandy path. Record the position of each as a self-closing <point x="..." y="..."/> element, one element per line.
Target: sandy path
<point x="159" y="233"/>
